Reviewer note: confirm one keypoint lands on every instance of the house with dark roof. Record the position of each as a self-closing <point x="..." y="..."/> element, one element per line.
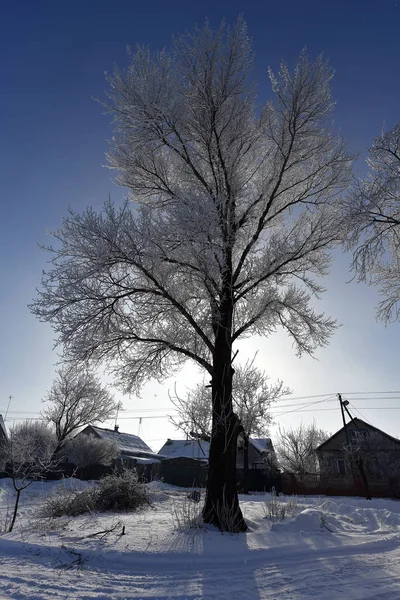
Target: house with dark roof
<point x="192" y="449"/>
<point x="129" y="446"/>
<point x="133" y="453"/>
<point x="360" y="443"/>
<point x="185" y="462"/>
<point x="260" y="451"/>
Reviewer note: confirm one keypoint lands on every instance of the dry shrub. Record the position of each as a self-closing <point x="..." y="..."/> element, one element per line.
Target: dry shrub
<point x="187" y="514"/>
<point x="121" y="493"/>
<point x="278" y="507"/>
<point x="116" y="492"/>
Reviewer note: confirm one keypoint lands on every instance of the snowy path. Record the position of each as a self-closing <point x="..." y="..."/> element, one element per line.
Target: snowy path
<point x="369" y="572"/>
<point x="329" y="549"/>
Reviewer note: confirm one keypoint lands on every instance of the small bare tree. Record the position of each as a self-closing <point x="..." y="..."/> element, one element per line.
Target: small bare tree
<point x="87" y="450"/>
<point x="77" y="398"/>
<point x="252" y="396"/>
<point x="378" y="455"/>
<point x="373" y="217"/>
<point x="295" y="449"/>
<point x="29" y="457"/>
<point x="236" y="208"/>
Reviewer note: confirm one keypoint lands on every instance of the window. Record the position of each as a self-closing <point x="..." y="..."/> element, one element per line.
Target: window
<point x="339" y="467"/>
<point x="358" y="435"/>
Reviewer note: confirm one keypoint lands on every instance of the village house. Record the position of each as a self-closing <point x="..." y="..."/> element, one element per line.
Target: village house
<point x="185" y="462"/>
<point x="360" y="444"/>
<point x="133" y="452"/>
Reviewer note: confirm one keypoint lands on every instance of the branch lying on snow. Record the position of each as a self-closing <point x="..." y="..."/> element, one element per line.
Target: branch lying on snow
<point x="79" y="561"/>
<point x="105" y="532"/>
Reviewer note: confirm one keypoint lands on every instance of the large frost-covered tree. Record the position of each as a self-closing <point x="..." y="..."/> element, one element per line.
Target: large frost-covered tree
<point x="233" y="216"/>
<point x="373" y="212"/>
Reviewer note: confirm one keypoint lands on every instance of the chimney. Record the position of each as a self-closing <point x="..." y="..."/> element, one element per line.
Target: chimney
<point x="116" y="428"/>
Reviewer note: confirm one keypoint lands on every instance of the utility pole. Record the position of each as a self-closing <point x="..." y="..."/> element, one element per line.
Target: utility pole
<point x="116" y="426"/>
<point x="344" y="420"/>
<point x="8" y="406"/>
<point x="359" y="461"/>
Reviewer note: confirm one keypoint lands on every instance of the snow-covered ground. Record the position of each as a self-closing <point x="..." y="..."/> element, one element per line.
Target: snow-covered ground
<point x="327" y="548"/>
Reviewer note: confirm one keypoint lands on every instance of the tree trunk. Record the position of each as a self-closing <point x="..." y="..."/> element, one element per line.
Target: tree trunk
<point x="222" y="504"/>
<point x="360" y="465"/>
<point x="15" y="510"/>
<point x="245" y="463"/>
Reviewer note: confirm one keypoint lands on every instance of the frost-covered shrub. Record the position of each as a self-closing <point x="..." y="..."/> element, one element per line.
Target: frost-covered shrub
<point x="113" y="493"/>
<point x="86" y="450"/>
<point x="187" y="514"/>
<point x="69" y="503"/>
<point x="121" y="492"/>
<point x="278" y="507"/>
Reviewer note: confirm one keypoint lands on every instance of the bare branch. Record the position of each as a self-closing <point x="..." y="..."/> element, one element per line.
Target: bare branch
<point x="373" y="217"/>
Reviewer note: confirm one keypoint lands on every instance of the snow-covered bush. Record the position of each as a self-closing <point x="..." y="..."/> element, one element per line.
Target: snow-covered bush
<point x="69" y="503"/>
<point x="121" y="492"/>
<point x="86" y="450"/>
<point x="113" y="493"/>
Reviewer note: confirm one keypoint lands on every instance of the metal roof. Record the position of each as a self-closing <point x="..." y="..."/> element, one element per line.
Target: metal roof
<point x="200" y="450"/>
<point x="127" y="442"/>
<point x="261" y="444"/>
<point x="185" y="448"/>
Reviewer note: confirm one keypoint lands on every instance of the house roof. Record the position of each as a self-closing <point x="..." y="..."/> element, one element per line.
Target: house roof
<point x="142" y="460"/>
<point x="262" y="444"/>
<point x="358" y="423"/>
<point x="3" y="430"/>
<point x="200" y="449"/>
<point x="185" y="449"/>
<point x="127" y="442"/>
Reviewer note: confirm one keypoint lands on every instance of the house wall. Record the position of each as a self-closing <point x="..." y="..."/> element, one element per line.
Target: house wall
<point x="339" y="440"/>
<point x="290" y="485"/>
<point x="336" y="442"/>
<point x="3" y="451"/>
<point x="184" y="472"/>
<point x="339" y="469"/>
<point x="254" y="457"/>
<point x="188" y="472"/>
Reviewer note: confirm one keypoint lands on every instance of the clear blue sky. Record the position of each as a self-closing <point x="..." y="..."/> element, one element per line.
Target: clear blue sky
<point x="53" y="137"/>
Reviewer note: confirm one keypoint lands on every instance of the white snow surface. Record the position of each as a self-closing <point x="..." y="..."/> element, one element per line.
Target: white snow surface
<point x="325" y="548"/>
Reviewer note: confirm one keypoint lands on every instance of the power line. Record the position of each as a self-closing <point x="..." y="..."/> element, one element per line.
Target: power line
<point x="147" y="417"/>
<point x="155" y="409"/>
<point x="375" y="398"/>
<point x="292" y="398"/>
<point x="295" y="405"/>
<point x="300" y="404"/>
<point x="301" y="409"/>
<point x="378" y="393"/>
<point x="358" y="412"/>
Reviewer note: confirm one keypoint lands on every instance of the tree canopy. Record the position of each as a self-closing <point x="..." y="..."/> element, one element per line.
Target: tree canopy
<point x="373" y="219"/>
